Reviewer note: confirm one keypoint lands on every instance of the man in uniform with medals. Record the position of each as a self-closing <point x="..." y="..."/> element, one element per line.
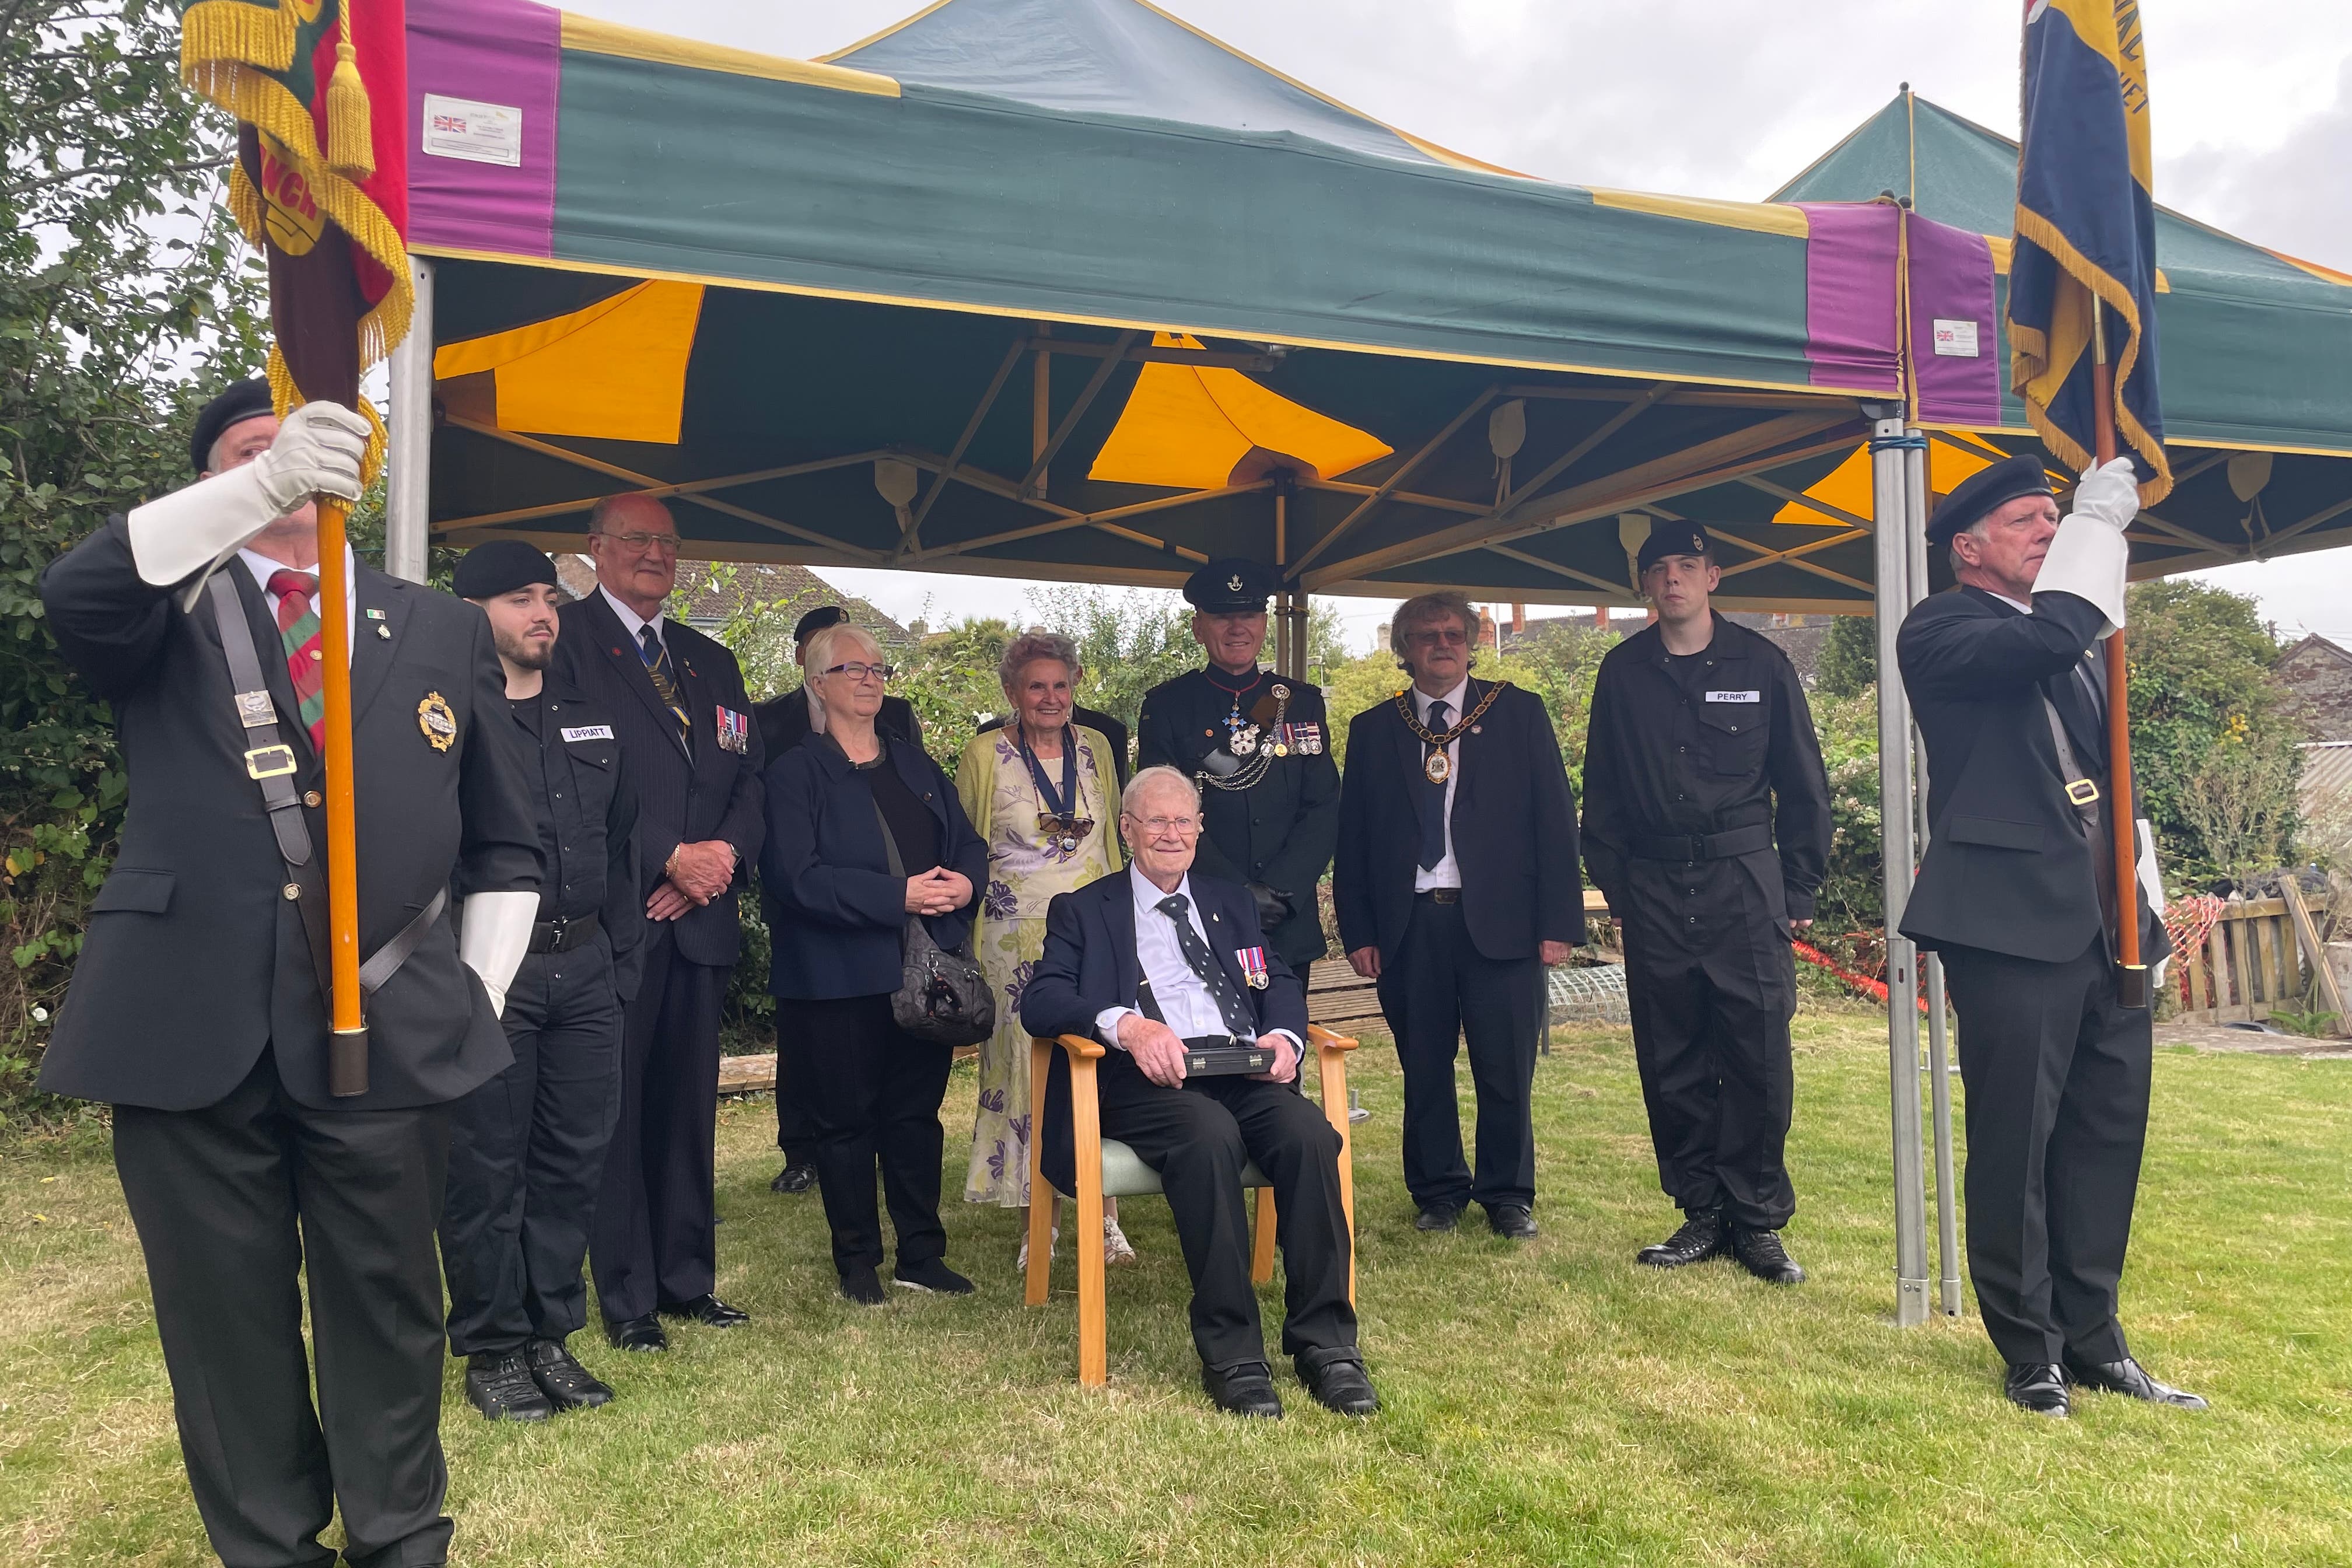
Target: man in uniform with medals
<point x="1257" y="745"/>
<point x="1456" y="882"/>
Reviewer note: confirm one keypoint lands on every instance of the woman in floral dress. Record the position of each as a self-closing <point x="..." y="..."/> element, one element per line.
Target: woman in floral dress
<point x="1043" y="795"/>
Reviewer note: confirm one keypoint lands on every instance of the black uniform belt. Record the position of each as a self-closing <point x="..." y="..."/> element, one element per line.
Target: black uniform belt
<point x="1441" y="895"/>
<point x="1688" y="846"/>
<point x="562" y="934"/>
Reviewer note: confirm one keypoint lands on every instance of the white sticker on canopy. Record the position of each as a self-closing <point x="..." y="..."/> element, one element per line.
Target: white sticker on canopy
<point x="478" y="132"/>
<point x="1956" y="340"/>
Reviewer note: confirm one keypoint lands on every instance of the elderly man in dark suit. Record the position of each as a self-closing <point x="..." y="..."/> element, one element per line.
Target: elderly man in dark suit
<point x="2017" y="890"/>
<point x="1456" y="882"/>
<point x="678" y="705"/>
<point x="1153" y="960"/>
<point x="198" y="1007"/>
<point x="784" y="722"/>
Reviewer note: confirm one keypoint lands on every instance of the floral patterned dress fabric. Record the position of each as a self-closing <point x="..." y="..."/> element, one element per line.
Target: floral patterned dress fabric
<point x="1025" y="871"/>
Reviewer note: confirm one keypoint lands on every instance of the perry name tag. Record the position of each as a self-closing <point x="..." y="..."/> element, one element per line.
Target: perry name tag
<point x="734" y="732"/>
<point x="589" y="733"/>
<point x="1735" y="697"/>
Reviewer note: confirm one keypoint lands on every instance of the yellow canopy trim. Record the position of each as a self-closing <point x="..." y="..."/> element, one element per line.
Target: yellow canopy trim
<point x="615" y="372"/>
<point x="592" y="35"/>
<point x="1757" y="217"/>
<point x="1199" y="427"/>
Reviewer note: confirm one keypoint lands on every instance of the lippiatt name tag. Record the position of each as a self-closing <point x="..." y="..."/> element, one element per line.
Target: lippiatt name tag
<point x="589" y="733"/>
<point x="1735" y="697"/>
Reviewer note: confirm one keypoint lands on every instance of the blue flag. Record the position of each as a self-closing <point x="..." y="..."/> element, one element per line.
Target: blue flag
<point x="2086" y="231"/>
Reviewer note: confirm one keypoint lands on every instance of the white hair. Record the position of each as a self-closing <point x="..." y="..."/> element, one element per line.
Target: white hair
<point x="1028" y="649"/>
<point x="1146" y="780"/>
<point x="825" y="639"/>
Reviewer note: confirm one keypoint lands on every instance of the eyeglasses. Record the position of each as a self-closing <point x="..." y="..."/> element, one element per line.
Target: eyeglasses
<point x="1183" y="825"/>
<point x="860" y="671"/>
<point x="665" y="543"/>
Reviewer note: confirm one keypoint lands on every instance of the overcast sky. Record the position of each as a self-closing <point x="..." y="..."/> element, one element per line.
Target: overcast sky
<point x="2253" y="125"/>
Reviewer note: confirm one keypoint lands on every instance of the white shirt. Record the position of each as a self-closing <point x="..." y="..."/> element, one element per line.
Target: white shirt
<point x="631" y="622"/>
<point x="1184" y="1000"/>
<point x="263" y="567"/>
<point x="1445" y="873"/>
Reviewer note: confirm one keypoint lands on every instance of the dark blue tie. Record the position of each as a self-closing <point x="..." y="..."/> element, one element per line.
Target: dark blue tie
<point x="1433" y="798"/>
<point x="1203" y="965"/>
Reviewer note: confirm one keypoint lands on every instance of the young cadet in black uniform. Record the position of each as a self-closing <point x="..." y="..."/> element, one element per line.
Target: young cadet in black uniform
<point x="527" y="1148"/>
<point x="198" y="1010"/>
<point x="784" y="722"/>
<point x="2016" y="891"/>
<point x="1700" y="746"/>
<point x="1258" y="746"/>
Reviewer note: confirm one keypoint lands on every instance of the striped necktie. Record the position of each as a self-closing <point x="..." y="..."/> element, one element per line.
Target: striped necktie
<point x="1203" y="965"/>
<point x="656" y="658"/>
<point x="298" y="633"/>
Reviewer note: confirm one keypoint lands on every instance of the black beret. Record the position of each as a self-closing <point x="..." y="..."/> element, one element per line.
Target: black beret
<point x="1672" y="539"/>
<point x="1983" y="491"/>
<point x="817" y="620"/>
<point x="501" y="566"/>
<point x="244" y="400"/>
<point x="1230" y="586"/>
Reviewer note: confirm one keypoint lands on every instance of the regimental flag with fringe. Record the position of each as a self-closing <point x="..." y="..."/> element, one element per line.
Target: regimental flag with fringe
<point x="2086" y="229"/>
<point x="321" y="185"/>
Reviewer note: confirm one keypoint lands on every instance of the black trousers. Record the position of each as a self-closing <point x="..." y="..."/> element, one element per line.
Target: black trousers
<point x="1198" y="1138"/>
<point x="1712" y="985"/>
<point x="794" y="1135"/>
<point x="656" y="1237"/>
<point x="527" y="1158"/>
<point x="1440" y="990"/>
<point x="234" y="1205"/>
<point x="873" y="1095"/>
<point x="2057" y="1079"/>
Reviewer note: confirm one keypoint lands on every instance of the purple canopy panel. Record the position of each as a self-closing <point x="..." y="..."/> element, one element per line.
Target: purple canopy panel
<point x="1850" y="296"/>
<point x="1959" y="370"/>
<point x="502" y="53"/>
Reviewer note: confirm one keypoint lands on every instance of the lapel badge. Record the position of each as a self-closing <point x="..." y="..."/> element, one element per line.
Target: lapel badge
<point x="384" y="632"/>
<point x="375" y="615"/>
<point x="438" y="722"/>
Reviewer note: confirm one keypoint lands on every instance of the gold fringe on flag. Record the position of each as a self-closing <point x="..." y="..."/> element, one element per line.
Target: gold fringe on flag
<point x="285" y="397"/>
<point x="216" y="34"/>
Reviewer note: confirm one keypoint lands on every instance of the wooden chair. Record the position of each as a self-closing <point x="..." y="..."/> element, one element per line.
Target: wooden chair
<point x="1107" y="1168"/>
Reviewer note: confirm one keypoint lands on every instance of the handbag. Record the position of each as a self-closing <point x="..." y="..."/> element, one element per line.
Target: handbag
<point x="943" y="996"/>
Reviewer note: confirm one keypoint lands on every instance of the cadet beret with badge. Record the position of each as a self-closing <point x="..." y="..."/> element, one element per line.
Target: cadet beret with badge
<point x="817" y="620"/>
<point x="1982" y="492"/>
<point x="1672" y="539"/>
<point x="501" y="566"/>
<point x="242" y="401"/>
<point x="1230" y="586"/>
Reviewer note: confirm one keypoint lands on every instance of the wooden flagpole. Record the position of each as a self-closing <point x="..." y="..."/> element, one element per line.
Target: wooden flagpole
<point x="2132" y="987"/>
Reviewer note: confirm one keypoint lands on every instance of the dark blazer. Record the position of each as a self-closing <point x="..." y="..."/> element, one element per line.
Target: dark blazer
<point x="838" y="911"/>
<point x="1090" y="963"/>
<point x="194" y="961"/>
<point x="784" y="720"/>
<point x="1094" y="719"/>
<point x="685" y="795"/>
<point x="2008" y="867"/>
<point x="1514" y="831"/>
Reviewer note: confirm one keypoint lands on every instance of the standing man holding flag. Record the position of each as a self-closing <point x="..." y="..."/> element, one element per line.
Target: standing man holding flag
<point x="2031" y="885"/>
<point x="267" y="1129"/>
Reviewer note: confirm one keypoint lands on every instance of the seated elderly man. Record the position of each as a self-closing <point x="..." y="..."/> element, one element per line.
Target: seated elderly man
<point x="1153" y="961"/>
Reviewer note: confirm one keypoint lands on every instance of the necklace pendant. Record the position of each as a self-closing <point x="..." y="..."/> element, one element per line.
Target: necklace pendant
<point x="1244" y="741"/>
<point x="1438" y="767"/>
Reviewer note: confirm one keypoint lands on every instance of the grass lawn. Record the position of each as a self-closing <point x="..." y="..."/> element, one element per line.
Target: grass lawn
<point x="1547" y="1404"/>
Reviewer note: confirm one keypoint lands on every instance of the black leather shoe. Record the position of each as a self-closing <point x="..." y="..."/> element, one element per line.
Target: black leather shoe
<point x="1513" y="1221"/>
<point x="1336" y="1379"/>
<point x="710" y="1311"/>
<point x="794" y="1179"/>
<point x="2036" y="1385"/>
<point x="1760" y="1253"/>
<point x="1437" y="1216"/>
<point x="863" y="1286"/>
<point x="501" y="1387"/>
<point x="932" y="1274"/>
<point x="637" y="1334"/>
<point x="2130" y="1379"/>
<point x="567" y="1384"/>
<point x="1243" y="1389"/>
<point x="1701" y="1236"/>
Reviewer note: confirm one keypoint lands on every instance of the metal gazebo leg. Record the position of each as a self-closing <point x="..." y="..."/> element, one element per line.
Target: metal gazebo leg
<point x="409" y="465"/>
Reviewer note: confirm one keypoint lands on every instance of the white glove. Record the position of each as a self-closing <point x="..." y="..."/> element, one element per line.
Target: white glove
<point x="317" y="451"/>
<point x="2088" y="556"/>
<point x="493" y="936"/>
